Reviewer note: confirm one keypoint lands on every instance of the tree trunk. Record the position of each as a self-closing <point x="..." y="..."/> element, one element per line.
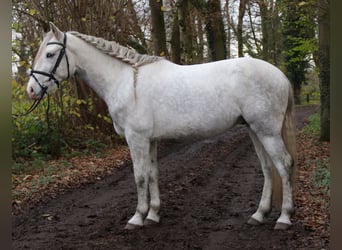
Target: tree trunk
<point x="186" y="32"/>
<point x="265" y="28"/>
<point x="226" y="8"/>
<point x="324" y="66"/>
<point x="277" y="42"/>
<point x="175" y="41"/>
<point x="215" y="31"/>
<point x="242" y="9"/>
<point x="200" y="35"/>
<point x="270" y="28"/>
<point x="158" y="28"/>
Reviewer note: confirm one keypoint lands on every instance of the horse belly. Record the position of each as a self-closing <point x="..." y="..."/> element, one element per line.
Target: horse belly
<point x="205" y="121"/>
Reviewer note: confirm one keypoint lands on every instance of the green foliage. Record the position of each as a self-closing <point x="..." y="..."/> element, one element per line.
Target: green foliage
<point x="86" y="147"/>
<point x="321" y="176"/>
<point x="18" y="168"/>
<point x="300" y="42"/>
<point x="33" y="139"/>
<point x="28" y="167"/>
<point x="310" y="93"/>
<point x="313" y="128"/>
<point x="44" y="135"/>
<point x="30" y="138"/>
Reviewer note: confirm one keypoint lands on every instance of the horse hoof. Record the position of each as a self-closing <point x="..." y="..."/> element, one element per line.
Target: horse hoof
<point x="132" y="226"/>
<point x="149" y="223"/>
<point x="281" y="226"/>
<point x="253" y="222"/>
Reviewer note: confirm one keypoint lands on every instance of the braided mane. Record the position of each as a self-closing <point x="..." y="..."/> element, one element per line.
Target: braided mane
<point x="111" y="48"/>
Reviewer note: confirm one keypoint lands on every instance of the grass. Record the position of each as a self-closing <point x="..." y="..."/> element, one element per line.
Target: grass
<point x="314" y="126"/>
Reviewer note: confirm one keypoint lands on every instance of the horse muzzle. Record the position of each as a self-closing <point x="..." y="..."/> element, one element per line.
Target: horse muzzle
<point x="35" y="91"/>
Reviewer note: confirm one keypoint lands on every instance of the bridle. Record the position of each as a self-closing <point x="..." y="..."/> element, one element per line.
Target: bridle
<point x="50" y="74"/>
<point x="54" y="69"/>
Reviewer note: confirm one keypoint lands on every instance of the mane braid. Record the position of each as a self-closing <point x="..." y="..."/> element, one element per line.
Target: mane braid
<point x="111" y="48"/>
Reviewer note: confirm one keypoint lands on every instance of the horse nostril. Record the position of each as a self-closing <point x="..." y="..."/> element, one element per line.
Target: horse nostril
<point x="31" y="92"/>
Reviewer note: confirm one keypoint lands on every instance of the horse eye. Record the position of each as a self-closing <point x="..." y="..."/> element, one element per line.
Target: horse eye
<point x="48" y="55"/>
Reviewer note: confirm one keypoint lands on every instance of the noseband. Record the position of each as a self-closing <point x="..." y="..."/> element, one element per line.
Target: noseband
<point x="50" y="74"/>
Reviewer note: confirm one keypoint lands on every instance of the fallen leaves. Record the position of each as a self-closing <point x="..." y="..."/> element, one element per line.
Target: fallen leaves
<point x="312" y="201"/>
<point x="59" y="175"/>
<point x="27" y="177"/>
<point x="48" y="216"/>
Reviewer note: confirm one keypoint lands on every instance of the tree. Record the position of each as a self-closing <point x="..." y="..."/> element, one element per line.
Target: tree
<point x="270" y="27"/>
<point x="229" y="28"/>
<point x="158" y="27"/>
<point x="191" y="17"/>
<point x="324" y="66"/>
<point x="242" y="9"/>
<point x="186" y="31"/>
<point x="215" y="31"/>
<point x="175" y="41"/>
<point x="299" y="41"/>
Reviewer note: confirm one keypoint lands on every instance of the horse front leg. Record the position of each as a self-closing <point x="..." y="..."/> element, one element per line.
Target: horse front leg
<point x="153" y="217"/>
<point x="139" y="148"/>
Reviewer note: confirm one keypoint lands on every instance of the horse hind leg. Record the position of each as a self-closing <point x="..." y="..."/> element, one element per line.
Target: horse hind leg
<point x="282" y="160"/>
<point x="265" y="203"/>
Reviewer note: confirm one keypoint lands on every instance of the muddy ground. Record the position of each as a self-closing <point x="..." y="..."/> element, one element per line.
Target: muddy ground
<point x="209" y="189"/>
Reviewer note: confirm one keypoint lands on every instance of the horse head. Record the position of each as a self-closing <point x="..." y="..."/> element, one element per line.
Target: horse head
<point x="51" y="64"/>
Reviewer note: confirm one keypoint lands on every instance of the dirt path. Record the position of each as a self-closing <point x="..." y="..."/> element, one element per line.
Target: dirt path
<point x="208" y="188"/>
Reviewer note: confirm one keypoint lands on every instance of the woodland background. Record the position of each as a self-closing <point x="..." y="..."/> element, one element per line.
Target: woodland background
<point x="291" y="34"/>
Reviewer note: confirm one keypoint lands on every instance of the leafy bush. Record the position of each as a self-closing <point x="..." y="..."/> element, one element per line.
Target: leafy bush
<point x="33" y="138"/>
<point x="56" y="127"/>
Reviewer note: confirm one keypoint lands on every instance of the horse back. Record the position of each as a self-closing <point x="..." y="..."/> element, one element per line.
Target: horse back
<point x="207" y="99"/>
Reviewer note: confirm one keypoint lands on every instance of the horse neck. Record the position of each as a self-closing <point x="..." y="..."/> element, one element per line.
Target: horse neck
<point x="104" y="74"/>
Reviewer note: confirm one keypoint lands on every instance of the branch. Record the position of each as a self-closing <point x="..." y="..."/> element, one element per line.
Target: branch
<point x="34" y="17"/>
<point x="252" y="28"/>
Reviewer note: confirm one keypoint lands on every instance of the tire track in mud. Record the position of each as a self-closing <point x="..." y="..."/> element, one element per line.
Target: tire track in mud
<point x="209" y="189"/>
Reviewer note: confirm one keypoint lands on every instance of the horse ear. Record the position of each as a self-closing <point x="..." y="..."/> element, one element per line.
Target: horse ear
<point x="58" y="34"/>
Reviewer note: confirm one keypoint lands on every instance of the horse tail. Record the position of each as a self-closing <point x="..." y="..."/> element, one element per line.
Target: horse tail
<point x="289" y="138"/>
